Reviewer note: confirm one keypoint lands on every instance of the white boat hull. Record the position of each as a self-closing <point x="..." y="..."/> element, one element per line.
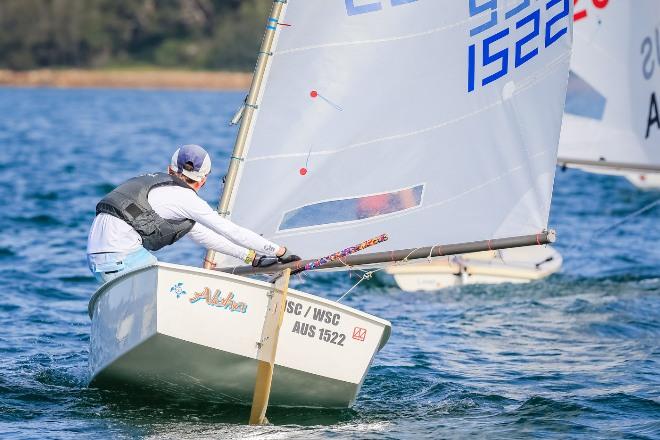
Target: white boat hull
<point x="518" y="265"/>
<point x="645" y="181"/>
<point x="160" y="329"/>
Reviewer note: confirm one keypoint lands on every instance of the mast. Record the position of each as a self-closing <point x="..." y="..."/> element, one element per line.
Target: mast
<point x="546" y="237"/>
<point x="249" y="107"/>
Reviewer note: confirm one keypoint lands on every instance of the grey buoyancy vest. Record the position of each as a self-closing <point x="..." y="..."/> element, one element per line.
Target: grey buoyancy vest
<point x="129" y="202"/>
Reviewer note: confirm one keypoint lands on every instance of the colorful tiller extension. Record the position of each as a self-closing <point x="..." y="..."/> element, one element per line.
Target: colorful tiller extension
<point x="341" y="254"/>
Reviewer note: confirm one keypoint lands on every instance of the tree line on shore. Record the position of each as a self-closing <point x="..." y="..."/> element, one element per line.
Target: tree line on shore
<point x="195" y="34"/>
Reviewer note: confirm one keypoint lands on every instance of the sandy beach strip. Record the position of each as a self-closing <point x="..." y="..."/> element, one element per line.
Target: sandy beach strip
<point x="127" y="79"/>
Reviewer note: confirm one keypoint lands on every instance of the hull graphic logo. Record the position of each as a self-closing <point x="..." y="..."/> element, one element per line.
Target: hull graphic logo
<point x="215" y="300"/>
<point x="359" y="334"/>
<point x="177" y="289"/>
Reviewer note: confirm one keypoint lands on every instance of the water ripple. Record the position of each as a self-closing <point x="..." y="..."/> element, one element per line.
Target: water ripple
<point x="574" y="356"/>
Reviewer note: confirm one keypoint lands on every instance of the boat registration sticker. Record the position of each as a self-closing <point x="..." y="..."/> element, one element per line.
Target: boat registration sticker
<point x="359" y="334"/>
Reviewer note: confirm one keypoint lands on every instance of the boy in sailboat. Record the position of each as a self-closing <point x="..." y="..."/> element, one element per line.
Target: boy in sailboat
<point x="155" y="210"/>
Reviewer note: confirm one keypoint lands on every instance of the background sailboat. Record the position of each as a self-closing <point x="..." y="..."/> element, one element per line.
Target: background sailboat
<point x="611" y="124"/>
<point x="612" y="120"/>
<point x="517" y="265"/>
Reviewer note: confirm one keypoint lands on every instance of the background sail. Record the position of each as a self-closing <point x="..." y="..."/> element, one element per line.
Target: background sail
<point x="611" y="107"/>
<point x="434" y="122"/>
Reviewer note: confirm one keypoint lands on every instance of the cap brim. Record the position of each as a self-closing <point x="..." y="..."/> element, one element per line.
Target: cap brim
<point x="194" y="175"/>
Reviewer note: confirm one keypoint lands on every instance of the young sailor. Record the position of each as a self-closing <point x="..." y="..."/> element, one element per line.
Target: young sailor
<point x="151" y="211"/>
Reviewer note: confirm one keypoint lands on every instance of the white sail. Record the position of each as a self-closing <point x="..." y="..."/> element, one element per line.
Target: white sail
<point x="612" y="102"/>
<point x="434" y="122"/>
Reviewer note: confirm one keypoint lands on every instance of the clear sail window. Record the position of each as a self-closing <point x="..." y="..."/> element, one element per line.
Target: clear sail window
<point x="357" y="208"/>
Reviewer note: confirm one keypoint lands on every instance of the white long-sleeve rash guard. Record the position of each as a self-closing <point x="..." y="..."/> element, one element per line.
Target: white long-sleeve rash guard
<point x="111" y="234"/>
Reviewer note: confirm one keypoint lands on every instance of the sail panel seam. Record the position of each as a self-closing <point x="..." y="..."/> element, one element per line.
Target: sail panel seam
<point x="374" y="41"/>
<point x="541" y="74"/>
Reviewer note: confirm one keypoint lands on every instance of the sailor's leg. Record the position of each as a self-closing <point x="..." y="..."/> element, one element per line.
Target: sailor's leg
<point x="139" y="259"/>
<point x="105" y="266"/>
<point x="110" y="265"/>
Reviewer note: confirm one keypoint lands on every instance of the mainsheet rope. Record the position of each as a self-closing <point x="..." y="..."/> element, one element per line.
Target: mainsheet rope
<point x="368" y="274"/>
<point x="616" y="224"/>
<point x="628" y="217"/>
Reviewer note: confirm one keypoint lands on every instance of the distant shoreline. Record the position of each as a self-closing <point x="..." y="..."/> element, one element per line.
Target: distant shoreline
<point x="127" y="79"/>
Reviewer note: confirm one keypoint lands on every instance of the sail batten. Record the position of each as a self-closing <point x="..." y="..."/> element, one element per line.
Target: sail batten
<point x="412" y="120"/>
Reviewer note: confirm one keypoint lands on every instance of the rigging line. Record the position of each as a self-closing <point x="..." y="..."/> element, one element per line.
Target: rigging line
<point x="377" y="40"/>
<point x="522" y="87"/>
<point x="616" y="224"/>
<point x="368" y="274"/>
<point x="628" y="217"/>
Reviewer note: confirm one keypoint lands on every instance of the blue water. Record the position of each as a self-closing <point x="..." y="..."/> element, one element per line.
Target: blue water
<point x="573" y="356"/>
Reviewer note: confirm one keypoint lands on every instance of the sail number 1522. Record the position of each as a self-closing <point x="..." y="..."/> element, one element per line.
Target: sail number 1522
<point x="494" y="60"/>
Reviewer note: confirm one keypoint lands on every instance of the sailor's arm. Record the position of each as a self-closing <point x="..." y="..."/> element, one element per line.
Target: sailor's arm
<point x="201" y="212"/>
<point x="202" y="235"/>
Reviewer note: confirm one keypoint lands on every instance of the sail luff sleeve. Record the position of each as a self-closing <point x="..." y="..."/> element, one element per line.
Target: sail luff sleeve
<point x="230" y="179"/>
<point x="545" y="237"/>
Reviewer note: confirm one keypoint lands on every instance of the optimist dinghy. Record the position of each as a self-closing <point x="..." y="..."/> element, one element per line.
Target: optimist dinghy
<point x="612" y="117"/>
<point x="434" y="123"/>
<point x="194" y="332"/>
<point x="517" y="265"/>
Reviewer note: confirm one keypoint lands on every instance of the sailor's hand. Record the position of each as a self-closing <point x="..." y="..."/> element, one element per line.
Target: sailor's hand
<point x="287" y="257"/>
<point x="264" y="261"/>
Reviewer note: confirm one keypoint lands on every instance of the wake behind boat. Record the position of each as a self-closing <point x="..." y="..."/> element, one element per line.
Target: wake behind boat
<point x="192" y="332"/>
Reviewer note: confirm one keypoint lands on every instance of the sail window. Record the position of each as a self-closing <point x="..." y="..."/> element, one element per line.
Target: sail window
<point x="353" y="209"/>
<point x="584" y="100"/>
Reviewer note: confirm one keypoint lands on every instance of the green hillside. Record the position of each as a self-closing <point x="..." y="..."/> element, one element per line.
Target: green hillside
<point x="196" y="34"/>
